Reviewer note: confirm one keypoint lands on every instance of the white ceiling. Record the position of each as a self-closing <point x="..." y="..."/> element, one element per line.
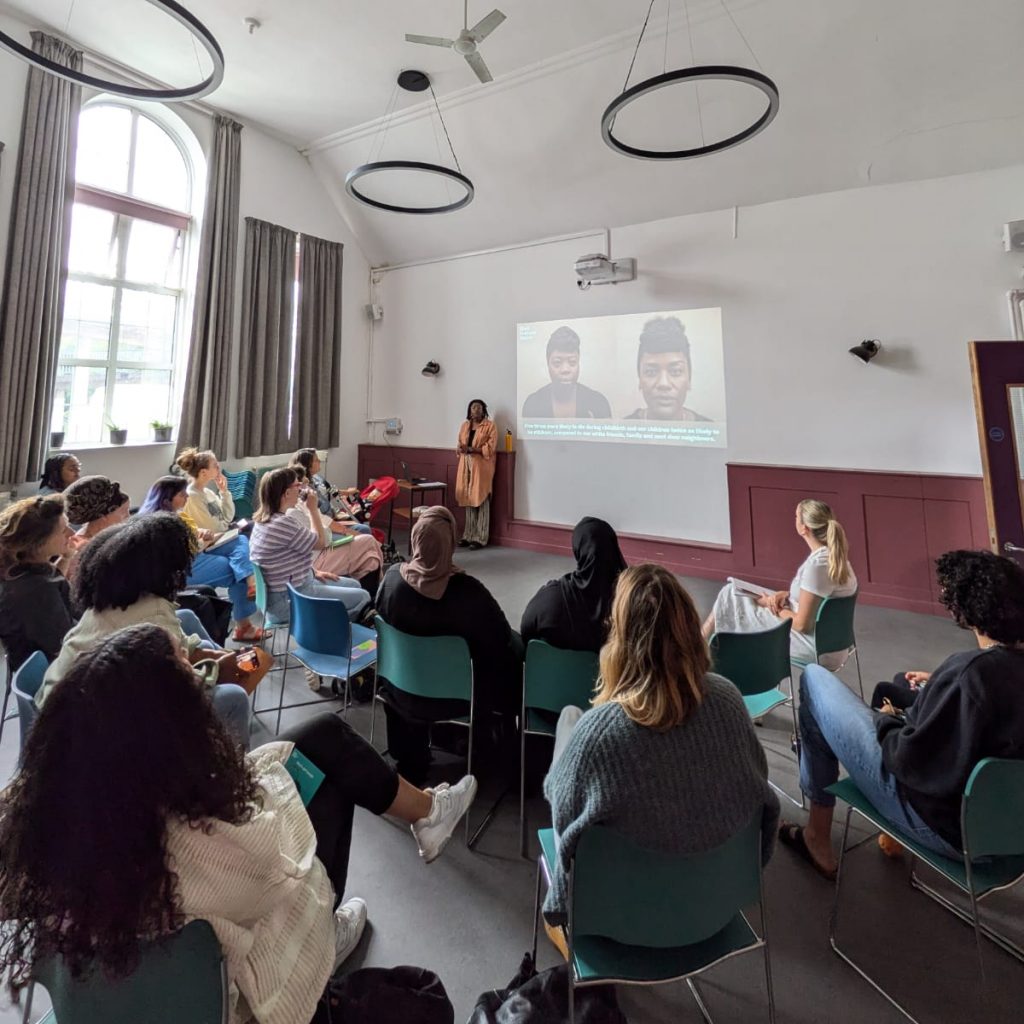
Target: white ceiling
<point x="872" y="92"/>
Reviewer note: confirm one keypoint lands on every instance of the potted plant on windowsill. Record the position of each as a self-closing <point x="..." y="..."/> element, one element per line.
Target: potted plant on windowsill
<point x="161" y="430"/>
<point x="118" y="435"/>
<point x="56" y="439"/>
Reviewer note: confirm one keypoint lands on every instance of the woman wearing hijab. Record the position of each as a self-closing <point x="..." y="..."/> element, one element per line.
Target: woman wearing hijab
<point x="430" y="596"/>
<point x="478" y="443"/>
<point x="573" y="611"/>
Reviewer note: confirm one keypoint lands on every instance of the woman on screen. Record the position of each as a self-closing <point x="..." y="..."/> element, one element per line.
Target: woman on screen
<point x="565" y="396"/>
<point x="826" y="572"/>
<point x="664" y="372"/>
<point x="478" y="444"/>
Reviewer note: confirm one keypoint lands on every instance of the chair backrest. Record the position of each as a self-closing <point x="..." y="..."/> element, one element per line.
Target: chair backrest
<point x="425" y="666"/>
<point x="992" y="815"/>
<point x="242" y="486"/>
<point x="645" y="898"/>
<point x="753" y="662"/>
<point x="320" y="624"/>
<point x="179" y="978"/>
<point x="25" y="685"/>
<point x="833" y="625"/>
<point x="261" y="588"/>
<point x="554" y="678"/>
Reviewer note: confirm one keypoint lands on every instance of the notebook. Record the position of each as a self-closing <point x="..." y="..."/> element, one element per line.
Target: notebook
<point x="225" y="538"/>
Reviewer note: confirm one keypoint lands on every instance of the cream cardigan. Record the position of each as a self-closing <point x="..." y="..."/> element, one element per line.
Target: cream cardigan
<point x="208" y="509"/>
<point x="266" y="896"/>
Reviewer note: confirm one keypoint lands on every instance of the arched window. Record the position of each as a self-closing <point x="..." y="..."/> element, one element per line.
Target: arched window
<point x="125" y="302"/>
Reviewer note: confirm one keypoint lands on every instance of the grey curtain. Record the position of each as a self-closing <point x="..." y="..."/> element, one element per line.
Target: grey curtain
<point x="268" y="286"/>
<point x="316" y="415"/>
<point x="32" y="307"/>
<point x="206" y="400"/>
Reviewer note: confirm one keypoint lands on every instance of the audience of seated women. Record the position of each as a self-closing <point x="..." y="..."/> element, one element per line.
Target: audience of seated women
<point x="285" y="548"/>
<point x="309" y="460"/>
<point x="223" y="565"/>
<point x="201" y="830"/>
<point x="573" y="611"/>
<point x="209" y="508"/>
<point x="91" y="503"/>
<point x="430" y="596"/>
<point x="60" y="471"/>
<point x="826" y="572"/>
<point x="359" y="557"/>
<point x="130" y="574"/>
<point x="35" y="599"/>
<point x="914" y="768"/>
<point x="667" y="756"/>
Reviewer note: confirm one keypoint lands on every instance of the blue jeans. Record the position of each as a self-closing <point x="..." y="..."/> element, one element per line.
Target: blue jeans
<point x="228" y="566"/>
<point x="191" y="623"/>
<point x="231" y="706"/>
<point x="836" y="726"/>
<point x="346" y="590"/>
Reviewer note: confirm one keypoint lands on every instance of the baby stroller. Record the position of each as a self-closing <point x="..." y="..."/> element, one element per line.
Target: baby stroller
<point x="365" y="505"/>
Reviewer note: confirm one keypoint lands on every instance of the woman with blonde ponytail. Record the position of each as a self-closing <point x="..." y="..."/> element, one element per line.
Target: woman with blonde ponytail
<point x="826" y="572"/>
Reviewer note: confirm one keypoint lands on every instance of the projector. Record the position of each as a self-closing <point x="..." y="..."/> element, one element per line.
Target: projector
<point x="596" y="268"/>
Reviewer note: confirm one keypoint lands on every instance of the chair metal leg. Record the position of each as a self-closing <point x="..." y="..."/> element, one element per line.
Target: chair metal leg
<point x="522" y="784"/>
<point x="767" y="955"/>
<point x="27" y="1014"/>
<point x="860" y="678"/>
<point x="833" y="927"/>
<point x="469" y="771"/>
<point x="691" y="984"/>
<point x="7" y="697"/>
<point x="373" y="709"/>
<point x="536" y="910"/>
<point x="284" y="676"/>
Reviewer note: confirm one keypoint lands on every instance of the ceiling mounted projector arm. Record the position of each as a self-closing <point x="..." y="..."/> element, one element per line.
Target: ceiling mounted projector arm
<point x="429" y="40"/>
<point x="476" y="62"/>
<point x="485" y="26"/>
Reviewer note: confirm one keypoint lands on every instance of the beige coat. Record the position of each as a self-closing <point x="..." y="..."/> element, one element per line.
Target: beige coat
<point x="476" y="472"/>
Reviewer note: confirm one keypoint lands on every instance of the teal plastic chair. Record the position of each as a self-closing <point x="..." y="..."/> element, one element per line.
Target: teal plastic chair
<point x="436" y="667"/>
<point x="755" y="663"/>
<point x="25" y="685"/>
<point x="179" y="978"/>
<point x="992" y="826"/>
<point x="242" y="486"/>
<point x="638" y="917"/>
<point x="553" y="679"/>
<point x="834" y="633"/>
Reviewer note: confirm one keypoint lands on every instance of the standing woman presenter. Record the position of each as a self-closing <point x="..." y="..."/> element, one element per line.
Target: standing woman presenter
<point x="478" y="443"/>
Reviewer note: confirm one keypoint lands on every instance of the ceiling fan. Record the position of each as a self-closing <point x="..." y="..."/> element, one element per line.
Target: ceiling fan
<point x="468" y="39"/>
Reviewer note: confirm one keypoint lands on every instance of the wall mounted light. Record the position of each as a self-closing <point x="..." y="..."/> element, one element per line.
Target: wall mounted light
<point x="866" y="350"/>
<point x="432" y="369"/>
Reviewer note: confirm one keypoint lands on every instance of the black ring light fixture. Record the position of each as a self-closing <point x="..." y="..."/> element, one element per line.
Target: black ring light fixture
<point x="196" y="28"/>
<point x="413" y="81"/>
<point x="705" y="73"/>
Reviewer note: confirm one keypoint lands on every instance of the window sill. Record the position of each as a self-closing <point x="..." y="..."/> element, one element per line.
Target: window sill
<point x="103" y="446"/>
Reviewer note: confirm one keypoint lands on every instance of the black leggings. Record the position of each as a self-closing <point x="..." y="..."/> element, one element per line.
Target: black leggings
<point x="356" y="776"/>
<point x="899" y="693"/>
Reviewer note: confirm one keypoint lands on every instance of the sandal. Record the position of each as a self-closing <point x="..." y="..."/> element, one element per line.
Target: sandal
<point x="793" y="836"/>
<point x="251" y="635"/>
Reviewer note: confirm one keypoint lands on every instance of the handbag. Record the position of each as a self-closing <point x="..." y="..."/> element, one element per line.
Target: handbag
<point x="213" y="611"/>
<point x="385" y="995"/>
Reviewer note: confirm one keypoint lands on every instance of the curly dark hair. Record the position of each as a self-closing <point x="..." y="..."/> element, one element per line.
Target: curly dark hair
<point x="985" y="592"/>
<point x="126" y="742"/>
<point x="147" y="555"/>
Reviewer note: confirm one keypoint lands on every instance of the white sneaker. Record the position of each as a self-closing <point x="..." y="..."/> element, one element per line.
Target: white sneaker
<point x="449" y="804"/>
<point x="313" y="679"/>
<point x="349" y="922"/>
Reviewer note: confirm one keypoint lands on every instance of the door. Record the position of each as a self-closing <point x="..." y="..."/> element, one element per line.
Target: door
<point x="997" y="368"/>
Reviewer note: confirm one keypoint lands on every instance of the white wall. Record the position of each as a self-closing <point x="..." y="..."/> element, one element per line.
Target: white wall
<point x="919" y="266"/>
<point x="277" y="185"/>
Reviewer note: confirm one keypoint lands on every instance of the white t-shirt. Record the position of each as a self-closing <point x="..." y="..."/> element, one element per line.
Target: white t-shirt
<point x="813" y="577"/>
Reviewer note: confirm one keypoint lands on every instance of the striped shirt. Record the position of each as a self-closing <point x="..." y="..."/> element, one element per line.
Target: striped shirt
<point x="284" y="549"/>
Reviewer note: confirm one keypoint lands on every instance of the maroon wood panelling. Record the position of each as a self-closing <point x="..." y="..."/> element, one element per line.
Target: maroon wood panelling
<point x="897" y="523"/>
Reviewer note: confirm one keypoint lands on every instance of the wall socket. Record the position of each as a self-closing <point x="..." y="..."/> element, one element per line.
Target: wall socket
<point x="393" y="425"/>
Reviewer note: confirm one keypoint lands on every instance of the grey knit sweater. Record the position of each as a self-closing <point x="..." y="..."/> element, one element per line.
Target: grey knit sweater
<point x="682" y="791"/>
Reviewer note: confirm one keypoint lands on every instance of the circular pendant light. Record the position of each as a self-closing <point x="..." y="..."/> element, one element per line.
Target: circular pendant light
<point x="199" y="32"/>
<point x="412" y="81"/>
<point x="707" y="73"/>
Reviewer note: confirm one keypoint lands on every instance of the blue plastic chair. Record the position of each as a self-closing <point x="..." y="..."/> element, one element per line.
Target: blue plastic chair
<point x="755" y="663"/>
<point x="179" y="978"/>
<point x="553" y="679"/>
<point x="992" y="827"/>
<point x="641" y="917"/>
<point x="25" y="686"/>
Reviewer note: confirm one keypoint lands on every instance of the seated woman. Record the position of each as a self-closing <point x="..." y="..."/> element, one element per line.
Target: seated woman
<point x="60" y="471"/>
<point x="914" y="770"/>
<point x="309" y="460"/>
<point x="226" y="565"/>
<point x="35" y="599"/>
<point x="659" y="707"/>
<point x="91" y="503"/>
<point x="430" y="596"/>
<point x="202" y="831"/>
<point x="360" y="558"/>
<point x="826" y="572"/>
<point x="285" y="549"/>
<point x="208" y="509"/>
<point x="572" y="612"/>
<point x="130" y="574"/>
